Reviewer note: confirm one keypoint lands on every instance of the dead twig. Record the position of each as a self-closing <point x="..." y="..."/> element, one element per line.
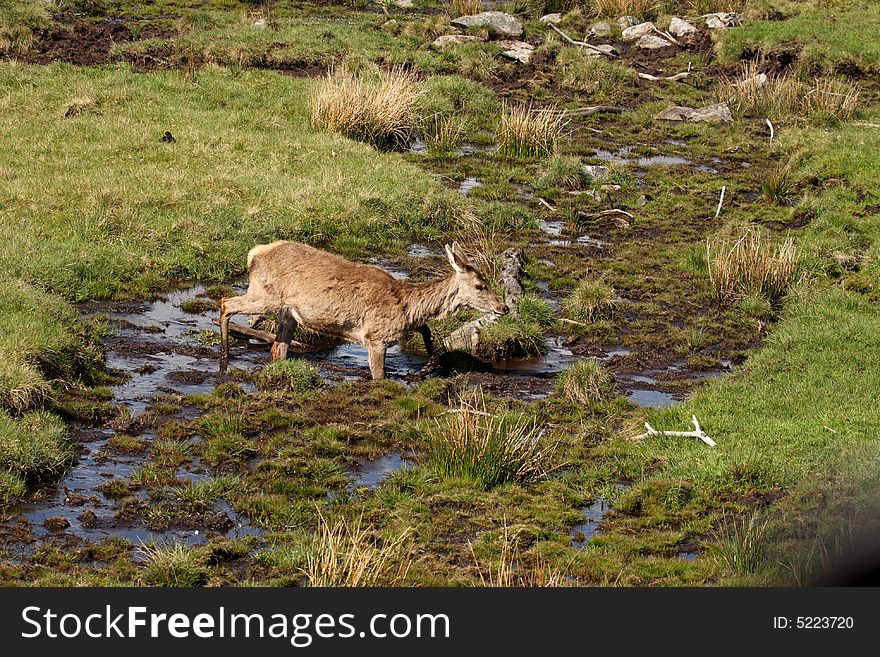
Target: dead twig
<point x="593" y="109"/>
<point x="670" y="78"/>
<point x="546" y="204"/>
<point x="571" y="321"/>
<point x="696" y="433"/>
<point x="720" y="201"/>
<point x="605" y="213"/>
<point x="582" y="44"/>
<point x="666" y="35"/>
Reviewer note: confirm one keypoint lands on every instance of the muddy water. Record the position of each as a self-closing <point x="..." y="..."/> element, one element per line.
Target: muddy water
<point x="369" y="474"/>
<point x="160" y="348"/>
<point x="468" y="185"/>
<point x="593" y="514"/>
<point x="166" y="351"/>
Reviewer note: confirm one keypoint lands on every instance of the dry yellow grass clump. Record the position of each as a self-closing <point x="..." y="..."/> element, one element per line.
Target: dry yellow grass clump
<point x="756" y="94"/>
<point x="458" y="8"/>
<point x="379" y="109"/>
<point x="752" y="265"/>
<point x="526" y="132"/>
<point x="345" y="554"/>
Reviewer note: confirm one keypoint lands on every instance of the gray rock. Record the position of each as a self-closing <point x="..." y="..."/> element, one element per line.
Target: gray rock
<point x="403" y="4"/>
<point x="680" y="28"/>
<point x="551" y="18"/>
<point x="519" y="51"/>
<point x="452" y="40"/>
<point x="719" y="113"/>
<point x="627" y="21"/>
<point x="261" y="24"/>
<point x="723" y="20"/>
<point x="636" y="32"/>
<point x="596" y="171"/>
<point x="497" y="22"/>
<point x="652" y="42"/>
<point x="600" y="29"/>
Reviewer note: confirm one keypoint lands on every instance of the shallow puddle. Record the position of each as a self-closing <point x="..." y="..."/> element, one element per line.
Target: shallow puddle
<point x="370" y="474"/>
<point x="468" y="185"/>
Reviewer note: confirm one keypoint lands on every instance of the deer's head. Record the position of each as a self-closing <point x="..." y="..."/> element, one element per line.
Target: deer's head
<point x="472" y="290"/>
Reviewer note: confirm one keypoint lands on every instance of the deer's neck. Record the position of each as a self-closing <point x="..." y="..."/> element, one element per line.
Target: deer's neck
<point x="424" y="301"/>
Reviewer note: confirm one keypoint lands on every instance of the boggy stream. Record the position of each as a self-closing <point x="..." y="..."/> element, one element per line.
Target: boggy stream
<point x="164" y="352"/>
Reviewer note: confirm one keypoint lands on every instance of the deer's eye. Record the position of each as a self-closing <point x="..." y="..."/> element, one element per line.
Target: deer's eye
<point x="480" y="287"/>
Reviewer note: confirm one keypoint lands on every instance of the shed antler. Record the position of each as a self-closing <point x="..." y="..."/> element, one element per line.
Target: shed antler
<point x="697" y="433"/>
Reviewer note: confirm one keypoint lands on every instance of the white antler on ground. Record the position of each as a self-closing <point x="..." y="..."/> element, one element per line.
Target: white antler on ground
<point x="697" y="433"/>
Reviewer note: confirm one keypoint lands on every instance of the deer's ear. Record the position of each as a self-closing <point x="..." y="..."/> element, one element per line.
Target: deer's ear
<point x="458" y="263"/>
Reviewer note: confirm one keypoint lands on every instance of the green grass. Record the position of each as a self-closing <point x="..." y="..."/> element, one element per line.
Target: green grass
<point x="835" y="35"/>
<point x="33" y="449"/>
<point x="587" y="383"/>
<point x="293" y="375"/>
<point x="135" y="213"/>
<point x="486" y="450"/>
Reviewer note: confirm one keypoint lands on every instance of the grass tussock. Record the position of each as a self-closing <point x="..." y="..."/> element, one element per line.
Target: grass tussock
<point x="473" y="445"/>
<point x="752" y="264"/>
<point x="345" y="554"/>
<point x="591" y="301"/>
<point x="598" y="78"/>
<point x="586" y="383"/>
<point x="173" y="566"/>
<point x="617" y="8"/>
<point x="33" y="448"/>
<point x="525" y="132"/>
<point x="442" y="134"/>
<point x="564" y="172"/>
<point x="457" y="8"/>
<point x="741" y="543"/>
<point x="379" y="109"/>
<point x="292" y="375"/>
<point x="782" y="96"/>
<point x="513" y="568"/>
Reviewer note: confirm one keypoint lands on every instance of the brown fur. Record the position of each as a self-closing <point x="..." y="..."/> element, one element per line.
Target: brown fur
<point x="361" y="303"/>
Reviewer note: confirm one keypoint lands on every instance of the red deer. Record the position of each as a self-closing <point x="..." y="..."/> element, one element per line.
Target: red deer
<point x="361" y="303"/>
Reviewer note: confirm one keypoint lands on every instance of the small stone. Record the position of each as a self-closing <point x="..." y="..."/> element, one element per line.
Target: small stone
<point x="596" y="171"/>
<point x="642" y="201"/>
<point x="452" y="40"/>
<point x="549" y="19"/>
<point x="600" y="29"/>
<point x="636" y="32"/>
<point x="723" y="20"/>
<point x="519" y="51"/>
<point x="627" y="21"/>
<point x="497" y="22"/>
<point x="261" y="23"/>
<point x="404" y="4"/>
<point x="610" y="188"/>
<point x="652" y="42"/>
<point x="680" y="28"/>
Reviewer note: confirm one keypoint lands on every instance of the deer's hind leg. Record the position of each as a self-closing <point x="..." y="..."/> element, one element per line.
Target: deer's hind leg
<point x="376" y="352"/>
<point x="286" y="327"/>
<point x="245" y="305"/>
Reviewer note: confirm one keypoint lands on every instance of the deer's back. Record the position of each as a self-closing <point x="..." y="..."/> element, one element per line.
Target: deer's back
<point x="327" y="293"/>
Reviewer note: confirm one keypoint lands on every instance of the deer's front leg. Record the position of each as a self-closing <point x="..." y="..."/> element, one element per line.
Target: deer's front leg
<point x="433" y="361"/>
<point x="426" y="336"/>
